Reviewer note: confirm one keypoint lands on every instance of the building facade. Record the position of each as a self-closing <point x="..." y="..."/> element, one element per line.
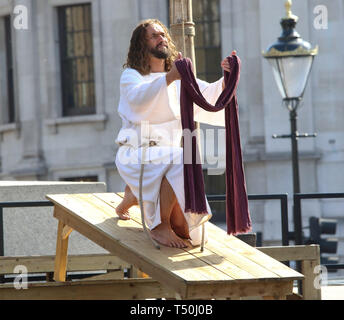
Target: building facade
<point x="59" y="88"/>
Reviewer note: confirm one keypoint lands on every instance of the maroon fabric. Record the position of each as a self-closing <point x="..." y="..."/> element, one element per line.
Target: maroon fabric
<point x="237" y="211"/>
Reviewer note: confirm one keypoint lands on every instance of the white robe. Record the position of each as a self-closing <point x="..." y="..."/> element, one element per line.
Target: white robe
<point x="150" y="111"/>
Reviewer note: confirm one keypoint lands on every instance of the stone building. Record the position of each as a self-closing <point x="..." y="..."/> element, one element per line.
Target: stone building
<point x="59" y="89"/>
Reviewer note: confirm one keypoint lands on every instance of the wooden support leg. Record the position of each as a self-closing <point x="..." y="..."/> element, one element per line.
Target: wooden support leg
<point x="310" y="291"/>
<point x="63" y="232"/>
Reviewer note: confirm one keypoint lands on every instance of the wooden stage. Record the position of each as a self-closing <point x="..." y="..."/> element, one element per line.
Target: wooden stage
<point x="227" y="268"/>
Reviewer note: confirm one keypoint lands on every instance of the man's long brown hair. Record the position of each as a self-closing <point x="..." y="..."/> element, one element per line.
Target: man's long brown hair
<point x="138" y="55"/>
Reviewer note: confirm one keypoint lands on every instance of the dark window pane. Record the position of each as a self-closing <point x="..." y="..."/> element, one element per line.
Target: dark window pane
<point x="9" y="70"/>
<point x="87" y="18"/>
<point x="207" y="39"/>
<point x="76" y="50"/>
<point x="212" y="34"/>
<point x="213" y="59"/>
<point x="199" y="37"/>
<point x="197" y="10"/>
<point x="200" y="60"/>
<point x="69" y="45"/>
<point x="216" y="185"/>
<point x="211" y="10"/>
<point x="68" y="19"/>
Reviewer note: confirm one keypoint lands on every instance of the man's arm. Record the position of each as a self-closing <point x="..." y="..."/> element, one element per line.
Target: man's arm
<point x="138" y="91"/>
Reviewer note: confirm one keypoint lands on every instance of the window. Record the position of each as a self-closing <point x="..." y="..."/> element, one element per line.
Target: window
<point x="206" y="15"/>
<point x="7" y="70"/>
<point x="216" y="185"/>
<point x="76" y="53"/>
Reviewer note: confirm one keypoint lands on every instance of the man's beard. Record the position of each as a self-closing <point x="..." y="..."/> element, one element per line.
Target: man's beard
<point x="160" y="54"/>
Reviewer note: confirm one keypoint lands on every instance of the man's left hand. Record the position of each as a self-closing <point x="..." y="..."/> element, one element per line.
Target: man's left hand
<point x="225" y="64"/>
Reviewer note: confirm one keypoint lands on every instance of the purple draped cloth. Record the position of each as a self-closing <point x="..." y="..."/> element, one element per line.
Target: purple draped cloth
<point x="237" y="211"/>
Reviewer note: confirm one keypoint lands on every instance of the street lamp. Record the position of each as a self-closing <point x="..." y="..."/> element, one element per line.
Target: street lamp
<point x="291" y="59"/>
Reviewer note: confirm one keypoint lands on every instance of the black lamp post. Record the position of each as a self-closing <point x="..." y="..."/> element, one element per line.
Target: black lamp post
<point x="291" y="59"/>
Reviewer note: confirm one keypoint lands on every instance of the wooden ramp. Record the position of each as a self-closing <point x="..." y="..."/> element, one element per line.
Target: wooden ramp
<point x="226" y="268"/>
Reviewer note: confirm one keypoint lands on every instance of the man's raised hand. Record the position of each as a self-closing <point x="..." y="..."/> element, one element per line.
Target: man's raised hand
<point x="225" y="64"/>
<point x="173" y="74"/>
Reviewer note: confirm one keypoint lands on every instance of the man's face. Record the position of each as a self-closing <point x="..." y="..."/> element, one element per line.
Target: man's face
<point x="157" y="41"/>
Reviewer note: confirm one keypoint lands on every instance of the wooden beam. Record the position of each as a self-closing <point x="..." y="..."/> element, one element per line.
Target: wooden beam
<point x="61" y="251"/>
<point x="241" y="289"/>
<point x="82" y="262"/>
<point x="292" y="253"/>
<point x="126" y="289"/>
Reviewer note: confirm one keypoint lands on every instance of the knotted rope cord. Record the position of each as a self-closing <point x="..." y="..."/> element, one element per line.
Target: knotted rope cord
<point x="143" y="155"/>
<point x="183" y="28"/>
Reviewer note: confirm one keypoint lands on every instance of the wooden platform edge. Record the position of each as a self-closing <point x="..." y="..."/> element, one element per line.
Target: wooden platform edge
<point x="124" y="289"/>
<point x="54" y="290"/>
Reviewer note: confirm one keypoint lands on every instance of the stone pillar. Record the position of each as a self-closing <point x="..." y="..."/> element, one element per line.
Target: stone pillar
<point x="182" y="28"/>
<point x="26" y="53"/>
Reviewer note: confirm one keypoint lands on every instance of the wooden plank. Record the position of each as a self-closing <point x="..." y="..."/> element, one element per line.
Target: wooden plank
<point x="234" y="257"/>
<point x="236" y="266"/>
<point x="87" y="262"/>
<point x="292" y="253"/>
<point x="140" y="289"/>
<point x="221" y="263"/>
<point x="120" y="251"/>
<point x="240" y="289"/>
<point x="216" y="261"/>
<point x="227" y="260"/>
<point x="231" y="242"/>
<point x="83" y="262"/>
<point x="277" y="253"/>
<point x="96" y="220"/>
<point x="126" y="289"/>
<point x="101" y="205"/>
<point x="241" y="261"/>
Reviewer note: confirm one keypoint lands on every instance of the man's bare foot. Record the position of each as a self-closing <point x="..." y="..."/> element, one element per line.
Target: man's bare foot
<point x="128" y="201"/>
<point x="178" y="222"/>
<point x="164" y="234"/>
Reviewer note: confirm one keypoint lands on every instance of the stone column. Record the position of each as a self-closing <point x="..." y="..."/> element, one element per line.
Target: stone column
<point x="26" y="58"/>
<point x="182" y="28"/>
